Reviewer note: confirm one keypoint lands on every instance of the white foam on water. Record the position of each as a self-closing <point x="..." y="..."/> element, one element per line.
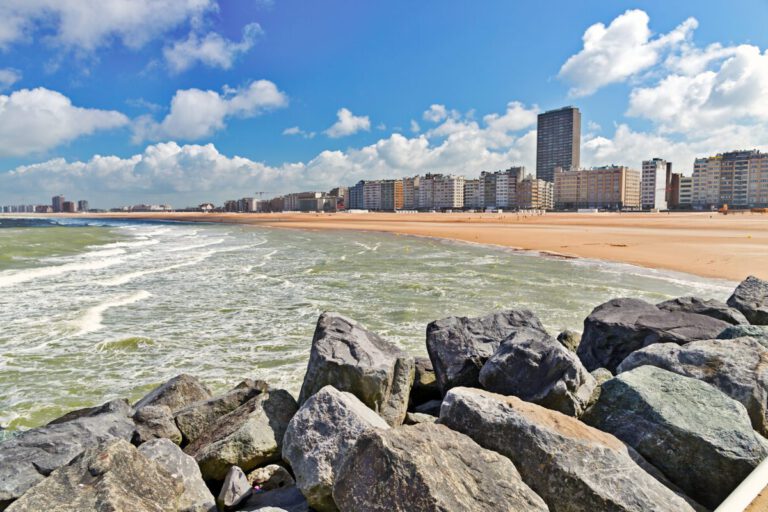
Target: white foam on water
<point x="91" y="320"/>
<point x="9" y="278"/>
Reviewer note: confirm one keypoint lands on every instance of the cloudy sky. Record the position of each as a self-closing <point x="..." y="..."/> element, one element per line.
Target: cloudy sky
<point x="181" y="101"/>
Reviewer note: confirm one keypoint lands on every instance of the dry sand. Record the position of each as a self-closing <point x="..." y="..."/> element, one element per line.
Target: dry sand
<point x="707" y="244"/>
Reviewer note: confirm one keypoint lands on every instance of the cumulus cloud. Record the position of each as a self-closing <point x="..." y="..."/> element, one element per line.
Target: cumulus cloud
<point x="348" y="124"/>
<point x="212" y="50"/>
<point x="8" y="77"/>
<point x="192" y="173"/>
<point x="295" y="130"/>
<point x="36" y="120"/>
<point x="515" y="118"/>
<point x="88" y="24"/>
<point x="196" y="114"/>
<point x="697" y="97"/>
<point x="415" y="128"/>
<point x="619" y="51"/>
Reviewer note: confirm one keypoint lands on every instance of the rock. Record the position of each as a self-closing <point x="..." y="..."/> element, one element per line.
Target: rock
<point x="424" y="383"/>
<point x="249" y="436"/>
<point x="735" y="367"/>
<point x="235" y="489"/>
<point x="32" y="455"/>
<point x="428" y="467"/>
<point x="271" y="477"/>
<point x="460" y="346"/>
<point x="701" y="439"/>
<point x="176" y="393"/>
<point x="287" y="499"/>
<point x="533" y="366"/>
<point x="569" y="339"/>
<point x="707" y="307"/>
<point x="196" y="497"/>
<point x="351" y="358"/>
<point x="432" y="408"/>
<point x="572" y="466"/>
<point x="155" y="422"/>
<point x="113" y="477"/>
<point x="414" y="418"/>
<point x="600" y="375"/>
<point x="318" y="438"/>
<point x="620" y="326"/>
<point x="759" y="332"/>
<point x="751" y="298"/>
<point x="198" y="417"/>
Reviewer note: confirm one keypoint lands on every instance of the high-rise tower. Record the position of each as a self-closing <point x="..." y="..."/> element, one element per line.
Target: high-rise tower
<point x="558" y="141"/>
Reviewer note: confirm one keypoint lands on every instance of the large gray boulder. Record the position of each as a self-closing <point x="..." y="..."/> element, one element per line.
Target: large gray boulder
<point x="285" y="499"/>
<point x="234" y="491"/>
<point x="155" y="422"/>
<point x="735" y="367"/>
<point x="572" y="466"/>
<point x="197" y="417"/>
<point x="620" y="326"/>
<point x="113" y="477"/>
<point x="701" y="439"/>
<point x="271" y="477"/>
<point x="34" y="454"/>
<point x="534" y="366"/>
<point x="351" y="358"/>
<point x="751" y="298"/>
<point x="707" y="307"/>
<point x="196" y="497"/>
<point x="176" y="393"/>
<point x="428" y="467"/>
<point x="249" y="436"/>
<point x="318" y="438"/>
<point x="460" y="346"/>
<point x="569" y="339"/>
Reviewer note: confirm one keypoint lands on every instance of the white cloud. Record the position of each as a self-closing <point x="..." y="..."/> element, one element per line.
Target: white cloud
<point x="736" y="90"/>
<point x="621" y="50"/>
<point x="8" y="77"/>
<point x="36" y="120"/>
<point x="196" y="114"/>
<point x="415" y="128"/>
<point x="435" y="113"/>
<point x="189" y="174"/>
<point x="348" y="124"/>
<point x="88" y="24"/>
<point x="295" y="130"/>
<point x="515" y="118"/>
<point x="212" y="49"/>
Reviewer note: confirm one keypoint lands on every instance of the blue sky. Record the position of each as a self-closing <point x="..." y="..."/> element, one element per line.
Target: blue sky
<point x="182" y="101"/>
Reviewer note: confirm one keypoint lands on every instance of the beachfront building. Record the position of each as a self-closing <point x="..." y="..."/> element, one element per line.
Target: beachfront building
<point x="610" y="187"/>
<point x="506" y="187"/>
<point x="372" y="195"/>
<point x="82" y="205"/>
<point x="441" y="192"/>
<point x="355" y="201"/>
<point x="309" y="202"/>
<point x="488" y="188"/>
<point x="673" y="191"/>
<point x="411" y="193"/>
<point x="391" y="195"/>
<point x="473" y="197"/>
<point x="57" y="203"/>
<point x="558" y="141"/>
<point x="656" y="175"/>
<point x="737" y="178"/>
<point x="533" y="193"/>
<point x="685" y="192"/>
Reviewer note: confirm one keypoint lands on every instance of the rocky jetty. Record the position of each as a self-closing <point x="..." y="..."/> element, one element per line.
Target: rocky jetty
<point x="655" y="407"/>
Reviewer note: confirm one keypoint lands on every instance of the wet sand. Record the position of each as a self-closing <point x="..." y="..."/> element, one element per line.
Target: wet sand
<point x="707" y="244"/>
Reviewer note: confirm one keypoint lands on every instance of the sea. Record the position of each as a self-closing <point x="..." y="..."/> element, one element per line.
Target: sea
<point x="92" y="309"/>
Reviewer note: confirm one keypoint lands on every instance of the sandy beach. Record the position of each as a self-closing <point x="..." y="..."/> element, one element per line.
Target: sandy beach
<point x="707" y="244"/>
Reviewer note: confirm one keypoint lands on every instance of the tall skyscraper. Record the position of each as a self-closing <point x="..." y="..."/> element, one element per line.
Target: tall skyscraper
<point x="58" y="203"/>
<point x="558" y="141"/>
<point x="657" y="174"/>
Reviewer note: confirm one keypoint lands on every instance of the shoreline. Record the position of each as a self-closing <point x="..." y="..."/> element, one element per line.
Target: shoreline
<point x="704" y="244"/>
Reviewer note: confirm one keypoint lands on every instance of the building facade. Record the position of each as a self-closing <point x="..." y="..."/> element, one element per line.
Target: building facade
<point x="656" y="175"/>
<point x="610" y="187"/>
<point x="57" y="202"/>
<point x="82" y="205"/>
<point x="441" y="192"/>
<point x="391" y="195"/>
<point x="558" y="141"/>
<point x="685" y="192"/>
<point x="737" y="178"/>
<point x="473" y="197"/>
<point x="355" y="201"/>
<point x="533" y="193"/>
<point x="411" y="193"/>
<point x="372" y="195"/>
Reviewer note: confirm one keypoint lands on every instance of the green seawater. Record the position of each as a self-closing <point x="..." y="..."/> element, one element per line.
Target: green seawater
<point x="93" y="313"/>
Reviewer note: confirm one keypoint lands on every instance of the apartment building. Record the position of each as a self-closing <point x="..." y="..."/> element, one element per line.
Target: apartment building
<point x="392" y="195"/>
<point x="737" y="178"/>
<point x="685" y="192"/>
<point x="411" y="193"/>
<point x="656" y="177"/>
<point x="441" y="192"/>
<point x="473" y="194"/>
<point x="610" y="187"/>
<point x="558" y="141"/>
<point x="355" y="201"/>
<point x="372" y="195"/>
<point x="533" y="193"/>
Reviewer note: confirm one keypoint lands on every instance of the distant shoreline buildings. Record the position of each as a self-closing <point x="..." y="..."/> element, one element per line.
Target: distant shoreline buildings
<point x="738" y="179"/>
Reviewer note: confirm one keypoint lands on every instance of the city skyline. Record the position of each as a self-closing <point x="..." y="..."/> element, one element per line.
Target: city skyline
<point x="214" y="114"/>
